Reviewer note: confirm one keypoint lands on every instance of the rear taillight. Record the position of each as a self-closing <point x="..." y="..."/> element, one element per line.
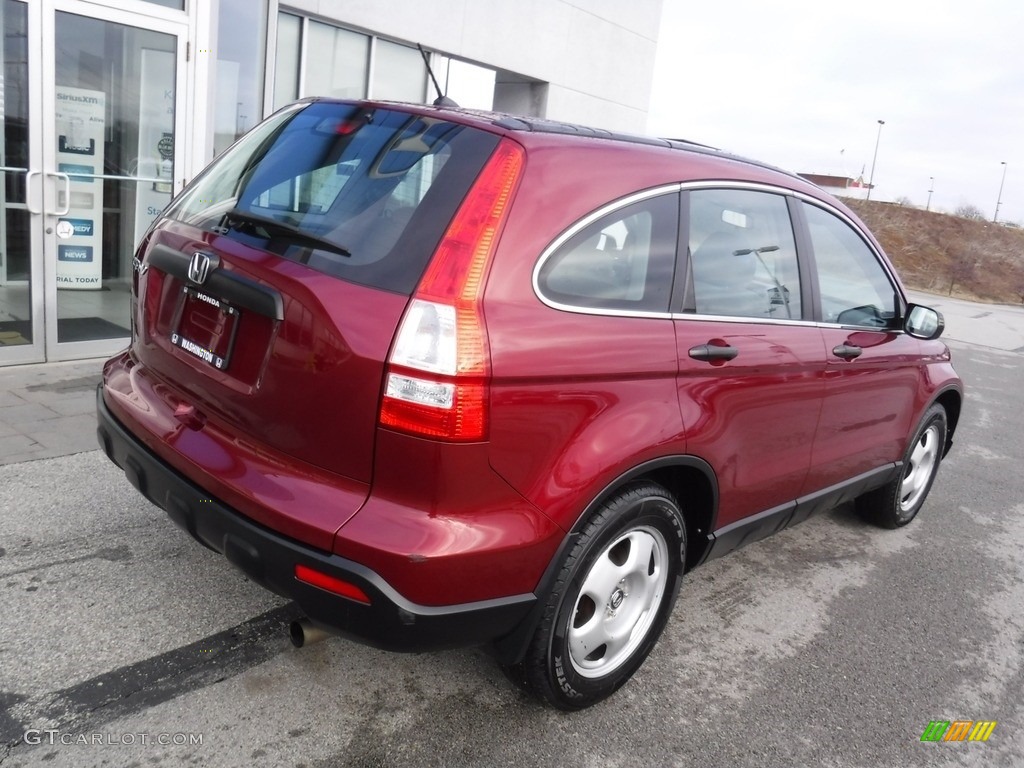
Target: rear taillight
<point x="437" y="376"/>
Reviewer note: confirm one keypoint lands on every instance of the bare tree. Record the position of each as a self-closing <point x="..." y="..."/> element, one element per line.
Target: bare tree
<point x="968" y="211"/>
<point x="961" y="272"/>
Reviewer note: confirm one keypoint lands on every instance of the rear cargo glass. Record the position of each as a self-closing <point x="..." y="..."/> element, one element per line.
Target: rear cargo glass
<point x="358" y="192"/>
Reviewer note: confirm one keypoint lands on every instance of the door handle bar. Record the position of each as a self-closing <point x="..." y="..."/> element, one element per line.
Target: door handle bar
<point x="65" y="209"/>
<point x="28" y="193"/>
<point x="847" y="351"/>
<point x="713" y="352"/>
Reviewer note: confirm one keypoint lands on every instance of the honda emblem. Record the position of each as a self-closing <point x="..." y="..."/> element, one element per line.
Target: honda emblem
<point x="199" y="267"/>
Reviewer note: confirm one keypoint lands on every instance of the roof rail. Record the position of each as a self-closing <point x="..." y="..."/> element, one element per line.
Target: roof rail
<point x="543" y="125"/>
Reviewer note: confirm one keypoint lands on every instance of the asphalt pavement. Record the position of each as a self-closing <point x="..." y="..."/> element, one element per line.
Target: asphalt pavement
<point x="124" y="643"/>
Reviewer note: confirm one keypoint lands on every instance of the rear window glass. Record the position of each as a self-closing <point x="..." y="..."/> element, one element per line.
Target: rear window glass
<point x="360" y="193"/>
<point x="622" y="261"/>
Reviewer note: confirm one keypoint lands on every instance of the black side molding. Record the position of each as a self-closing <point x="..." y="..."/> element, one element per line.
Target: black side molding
<point x="233" y="288"/>
<point x="756" y="527"/>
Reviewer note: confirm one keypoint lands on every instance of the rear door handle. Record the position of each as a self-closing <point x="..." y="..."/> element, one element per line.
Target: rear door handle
<point x="847" y="351"/>
<point x="712" y="352"/>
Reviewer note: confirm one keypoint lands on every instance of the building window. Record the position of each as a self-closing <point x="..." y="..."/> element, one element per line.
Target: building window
<point x="238" y="100"/>
<point x="319" y="59"/>
<point x="398" y="73"/>
<point x="468" y="85"/>
<point x="337" y="62"/>
<point x="289" y="46"/>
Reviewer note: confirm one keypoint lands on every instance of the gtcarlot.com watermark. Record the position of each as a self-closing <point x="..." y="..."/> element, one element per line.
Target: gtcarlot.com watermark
<point x="54" y="737"/>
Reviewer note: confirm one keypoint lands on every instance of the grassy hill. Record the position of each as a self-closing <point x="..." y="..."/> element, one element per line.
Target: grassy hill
<point x="949" y="255"/>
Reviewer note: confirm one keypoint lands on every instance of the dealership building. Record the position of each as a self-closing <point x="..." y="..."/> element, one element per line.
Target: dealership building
<point x="109" y="107"/>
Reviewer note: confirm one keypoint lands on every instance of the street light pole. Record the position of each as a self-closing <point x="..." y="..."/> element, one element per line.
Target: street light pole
<point x="871" y="180"/>
<point x="999" y="199"/>
<point x="931" y="188"/>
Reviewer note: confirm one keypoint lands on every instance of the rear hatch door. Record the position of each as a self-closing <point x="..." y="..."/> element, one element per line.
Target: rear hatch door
<point x="272" y="288"/>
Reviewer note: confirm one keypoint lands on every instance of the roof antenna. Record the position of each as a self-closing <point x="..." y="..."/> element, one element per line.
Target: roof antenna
<point x="442" y="100"/>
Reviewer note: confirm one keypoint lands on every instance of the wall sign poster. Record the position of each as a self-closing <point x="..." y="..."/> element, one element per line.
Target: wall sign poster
<point x="156" y="138"/>
<point x="81" y="116"/>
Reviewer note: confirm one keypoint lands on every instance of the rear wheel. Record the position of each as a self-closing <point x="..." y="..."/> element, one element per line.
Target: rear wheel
<point x="897" y="503"/>
<point x="611" y="600"/>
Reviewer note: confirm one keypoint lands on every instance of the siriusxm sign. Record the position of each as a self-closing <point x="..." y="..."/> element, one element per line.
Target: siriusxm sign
<point x="82" y="227"/>
<point x="65" y="96"/>
<point x="75" y="253"/>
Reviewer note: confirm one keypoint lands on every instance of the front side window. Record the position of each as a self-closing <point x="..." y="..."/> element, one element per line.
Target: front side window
<point x="743" y="255"/>
<point x="622" y="261"/>
<point x="363" y="194"/>
<point x="855" y="289"/>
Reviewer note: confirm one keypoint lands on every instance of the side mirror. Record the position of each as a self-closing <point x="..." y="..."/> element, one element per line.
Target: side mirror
<point x="924" y="322"/>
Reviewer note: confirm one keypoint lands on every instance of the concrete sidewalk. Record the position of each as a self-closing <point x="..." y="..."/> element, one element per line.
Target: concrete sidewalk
<point x="48" y="410"/>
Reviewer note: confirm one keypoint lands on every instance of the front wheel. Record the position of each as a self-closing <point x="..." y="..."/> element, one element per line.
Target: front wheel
<point x="611" y="600"/>
<point x="897" y="503"/>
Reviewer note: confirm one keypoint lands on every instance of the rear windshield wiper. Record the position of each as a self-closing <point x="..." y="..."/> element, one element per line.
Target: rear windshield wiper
<point x="268" y="228"/>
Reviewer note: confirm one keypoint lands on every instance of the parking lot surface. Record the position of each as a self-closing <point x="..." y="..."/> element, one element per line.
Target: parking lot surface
<point x="123" y="642"/>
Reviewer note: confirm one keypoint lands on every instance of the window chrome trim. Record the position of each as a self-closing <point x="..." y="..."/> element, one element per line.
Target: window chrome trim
<point x="742" y="319"/>
<point x="858" y="328"/>
<point x="675" y="187"/>
<point x="738" y="319"/>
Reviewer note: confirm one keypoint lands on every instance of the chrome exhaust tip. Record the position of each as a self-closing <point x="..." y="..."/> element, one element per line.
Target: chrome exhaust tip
<point x="303" y="632"/>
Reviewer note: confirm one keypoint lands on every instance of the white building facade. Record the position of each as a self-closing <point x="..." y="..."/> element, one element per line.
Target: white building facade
<point x="109" y="107"/>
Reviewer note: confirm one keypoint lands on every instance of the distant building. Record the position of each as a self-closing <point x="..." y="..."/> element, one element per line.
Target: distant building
<point x="839" y="185"/>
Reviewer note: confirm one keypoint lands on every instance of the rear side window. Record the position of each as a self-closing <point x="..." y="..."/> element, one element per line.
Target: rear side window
<point x="743" y="255"/>
<point x="622" y="261"/>
<point x="855" y="289"/>
<point x="363" y="194"/>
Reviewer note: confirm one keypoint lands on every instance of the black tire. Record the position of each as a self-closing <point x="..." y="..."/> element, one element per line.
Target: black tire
<point x="567" y="665"/>
<point x="898" y="502"/>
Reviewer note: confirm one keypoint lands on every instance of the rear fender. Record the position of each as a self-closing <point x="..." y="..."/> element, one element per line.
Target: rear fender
<point x="511" y="648"/>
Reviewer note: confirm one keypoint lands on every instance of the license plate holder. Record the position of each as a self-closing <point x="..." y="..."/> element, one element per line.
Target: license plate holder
<point x="206" y="327"/>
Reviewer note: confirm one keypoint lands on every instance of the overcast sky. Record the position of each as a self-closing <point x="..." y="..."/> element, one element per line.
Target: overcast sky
<point x="802" y="84"/>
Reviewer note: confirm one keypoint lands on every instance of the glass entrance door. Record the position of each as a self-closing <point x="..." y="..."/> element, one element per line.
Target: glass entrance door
<point x="111" y="121"/>
<point x="89" y="119"/>
<point x="21" y="283"/>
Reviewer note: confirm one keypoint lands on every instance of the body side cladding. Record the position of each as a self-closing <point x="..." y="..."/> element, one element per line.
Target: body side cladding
<point x="771" y="521"/>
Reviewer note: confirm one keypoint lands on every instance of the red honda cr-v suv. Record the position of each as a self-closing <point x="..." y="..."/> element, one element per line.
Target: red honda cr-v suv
<point x="446" y="377"/>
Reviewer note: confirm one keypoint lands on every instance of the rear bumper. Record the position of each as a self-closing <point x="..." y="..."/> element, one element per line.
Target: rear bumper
<point x="390" y="621"/>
